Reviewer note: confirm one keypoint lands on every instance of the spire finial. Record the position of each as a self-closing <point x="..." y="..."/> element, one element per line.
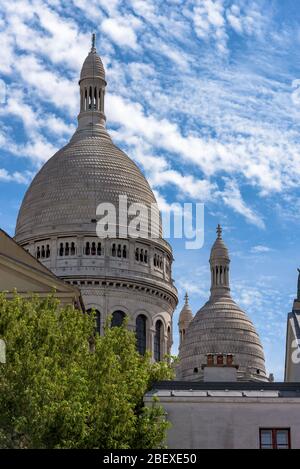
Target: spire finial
<point x="93" y="41"/>
<point x="219" y="231"/>
<point x="186" y="298"/>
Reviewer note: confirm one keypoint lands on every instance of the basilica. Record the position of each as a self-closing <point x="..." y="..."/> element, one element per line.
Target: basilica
<point x="221" y="380"/>
<point x="57" y="225"/>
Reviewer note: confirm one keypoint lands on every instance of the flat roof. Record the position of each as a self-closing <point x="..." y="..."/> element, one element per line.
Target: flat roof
<point x="284" y="389"/>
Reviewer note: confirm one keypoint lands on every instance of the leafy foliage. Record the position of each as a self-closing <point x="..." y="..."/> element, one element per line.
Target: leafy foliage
<point x="65" y="387"/>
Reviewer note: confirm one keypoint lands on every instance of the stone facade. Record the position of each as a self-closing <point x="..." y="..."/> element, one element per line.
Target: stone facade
<point x="22" y="272"/>
<point x="58" y="217"/>
<point x="227" y="415"/>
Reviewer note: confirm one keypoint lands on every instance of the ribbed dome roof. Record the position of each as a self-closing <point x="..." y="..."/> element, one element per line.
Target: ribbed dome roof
<point x="66" y="191"/>
<point x="219" y="249"/>
<point x="220" y="326"/>
<point x="92" y="67"/>
<point x="186" y="314"/>
<point x="89" y="170"/>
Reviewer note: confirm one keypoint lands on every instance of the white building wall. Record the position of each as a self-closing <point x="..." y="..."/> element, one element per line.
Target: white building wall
<point x="229" y="423"/>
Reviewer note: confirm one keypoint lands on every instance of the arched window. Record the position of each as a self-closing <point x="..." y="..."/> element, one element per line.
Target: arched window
<point x="169" y="339"/>
<point x="90" y="98"/>
<point x="117" y="319"/>
<point x="72" y="249"/>
<point x="119" y="250"/>
<point x="85" y="99"/>
<point x="137" y="254"/>
<point x="146" y="257"/>
<point x="113" y="250"/>
<point x="93" y="250"/>
<point x="87" y="249"/>
<point x="140" y="326"/>
<point x="43" y="251"/>
<point x="158" y="341"/>
<point x="67" y="249"/>
<point x="99" y="249"/>
<point x="38" y="253"/>
<point x="61" y="249"/>
<point x="95" y="98"/>
<point x="47" y="250"/>
<point x="124" y="252"/>
<point x="98" y="322"/>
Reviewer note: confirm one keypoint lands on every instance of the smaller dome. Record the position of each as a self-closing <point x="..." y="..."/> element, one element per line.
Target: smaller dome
<point x="186" y="314"/>
<point x="92" y="66"/>
<point x="219" y="249"/>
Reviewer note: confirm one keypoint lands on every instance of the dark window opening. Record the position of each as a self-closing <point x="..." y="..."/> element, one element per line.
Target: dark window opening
<point x="118" y="318"/>
<point x="158" y="341"/>
<point x="119" y="250"/>
<point x="47" y="251"/>
<point x="141" y="323"/>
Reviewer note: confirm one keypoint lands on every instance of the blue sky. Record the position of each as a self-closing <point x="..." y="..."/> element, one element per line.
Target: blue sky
<point x="203" y="95"/>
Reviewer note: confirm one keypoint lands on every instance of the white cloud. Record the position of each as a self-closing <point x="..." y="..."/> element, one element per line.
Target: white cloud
<point x="121" y="31"/>
<point x="2" y="91"/>
<point x="260" y="249"/>
<point x="49" y="85"/>
<point x="18" y="177"/>
<point x="233" y="198"/>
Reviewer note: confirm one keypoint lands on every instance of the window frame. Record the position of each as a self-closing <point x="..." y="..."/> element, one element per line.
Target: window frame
<point x="274" y="432"/>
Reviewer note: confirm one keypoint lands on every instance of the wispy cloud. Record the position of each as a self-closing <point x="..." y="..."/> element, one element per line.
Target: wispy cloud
<point x="259" y="249"/>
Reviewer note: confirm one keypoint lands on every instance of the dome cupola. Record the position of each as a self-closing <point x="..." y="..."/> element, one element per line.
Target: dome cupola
<point x="221" y="333"/>
<point x="185" y="317"/>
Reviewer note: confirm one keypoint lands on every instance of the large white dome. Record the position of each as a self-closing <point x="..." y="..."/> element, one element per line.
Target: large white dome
<point x="65" y="193"/>
<point x="119" y="274"/>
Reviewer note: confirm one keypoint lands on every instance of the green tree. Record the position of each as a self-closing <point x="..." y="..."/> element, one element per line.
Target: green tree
<point x="63" y="386"/>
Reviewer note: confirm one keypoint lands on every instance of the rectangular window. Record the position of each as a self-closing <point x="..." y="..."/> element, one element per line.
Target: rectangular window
<point x="275" y="438"/>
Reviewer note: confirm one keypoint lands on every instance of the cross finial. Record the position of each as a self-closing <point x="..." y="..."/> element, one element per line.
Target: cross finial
<point x="93" y="40"/>
<point x="219" y="231"/>
<point x="186" y="297"/>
